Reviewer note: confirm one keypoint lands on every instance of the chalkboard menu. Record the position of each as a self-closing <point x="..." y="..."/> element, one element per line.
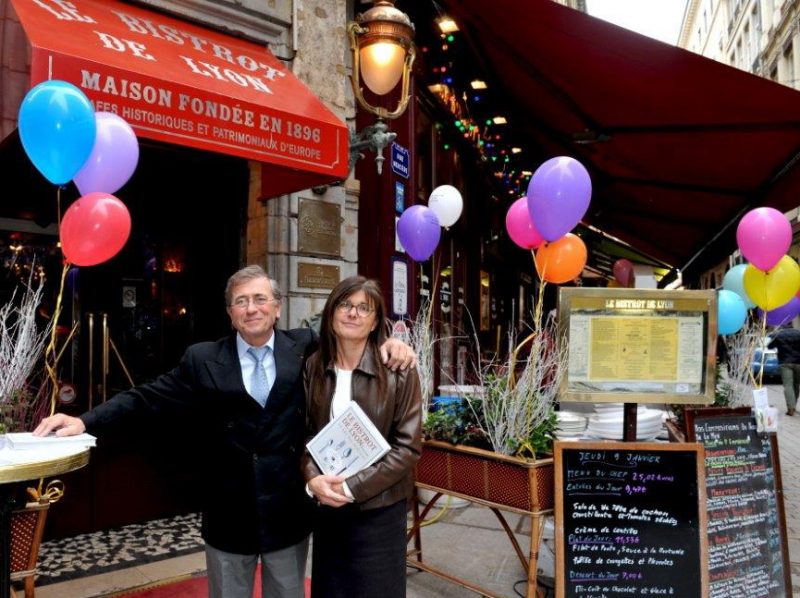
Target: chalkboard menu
<point x="746" y="548"/>
<point x="630" y="520"/>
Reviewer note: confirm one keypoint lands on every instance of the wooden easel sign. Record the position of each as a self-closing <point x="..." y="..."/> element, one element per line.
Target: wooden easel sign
<point x="748" y="553"/>
<point x="630" y="520"/>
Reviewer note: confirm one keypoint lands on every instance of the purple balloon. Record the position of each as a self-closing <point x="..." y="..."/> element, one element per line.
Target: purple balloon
<point x="558" y="196"/>
<point x="783" y="314"/>
<point x="419" y="231"/>
<point x="764" y="236"/>
<point x="113" y="158"/>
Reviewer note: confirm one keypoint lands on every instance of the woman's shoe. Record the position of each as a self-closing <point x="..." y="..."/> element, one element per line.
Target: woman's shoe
<point x="790" y="412"/>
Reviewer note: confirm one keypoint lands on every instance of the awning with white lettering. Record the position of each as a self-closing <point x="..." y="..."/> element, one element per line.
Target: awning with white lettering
<point x="180" y="83"/>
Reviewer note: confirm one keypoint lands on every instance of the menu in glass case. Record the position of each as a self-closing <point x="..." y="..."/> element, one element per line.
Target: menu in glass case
<point x="639" y="345"/>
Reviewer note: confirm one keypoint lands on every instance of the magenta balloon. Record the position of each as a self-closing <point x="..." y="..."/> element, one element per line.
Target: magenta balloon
<point x="519" y="226"/>
<point x="419" y="231"/>
<point x="623" y="272"/>
<point x="783" y="314"/>
<point x="558" y="196"/>
<point x="113" y="158"/>
<point x="764" y="236"/>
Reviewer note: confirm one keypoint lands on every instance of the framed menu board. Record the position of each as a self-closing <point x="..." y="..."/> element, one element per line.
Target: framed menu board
<point x="639" y="345"/>
<point x="748" y="554"/>
<point x="630" y="520"/>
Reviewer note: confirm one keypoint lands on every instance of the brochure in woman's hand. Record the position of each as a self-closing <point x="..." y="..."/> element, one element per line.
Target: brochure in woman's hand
<point x="348" y="443"/>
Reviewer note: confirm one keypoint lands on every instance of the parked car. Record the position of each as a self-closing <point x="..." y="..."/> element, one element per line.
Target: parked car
<point x="771" y="367"/>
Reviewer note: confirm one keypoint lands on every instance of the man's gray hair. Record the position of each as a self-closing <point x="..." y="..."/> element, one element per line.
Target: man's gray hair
<point x="247" y="274"/>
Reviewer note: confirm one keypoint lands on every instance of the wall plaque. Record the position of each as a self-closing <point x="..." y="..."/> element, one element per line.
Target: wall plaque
<point x="319" y="228"/>
<point x="317" y="276"/>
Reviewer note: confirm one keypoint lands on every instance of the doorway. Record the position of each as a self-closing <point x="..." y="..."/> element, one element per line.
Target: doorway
<point x="140" y="310"/>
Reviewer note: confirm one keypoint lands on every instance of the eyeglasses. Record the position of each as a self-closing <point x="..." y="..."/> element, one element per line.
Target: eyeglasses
<point x="362" y="309"/>
<point x="243" y="301"/>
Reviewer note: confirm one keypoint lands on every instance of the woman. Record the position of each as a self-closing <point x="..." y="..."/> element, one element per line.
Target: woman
<point x="360" y="531"/>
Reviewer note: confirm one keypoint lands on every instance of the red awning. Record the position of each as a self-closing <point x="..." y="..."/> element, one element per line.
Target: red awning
<point x="679" y="146"/>
<point x="183" y="84"/>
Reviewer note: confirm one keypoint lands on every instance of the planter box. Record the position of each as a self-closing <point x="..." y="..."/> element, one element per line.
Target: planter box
<point x="514" y="483"/>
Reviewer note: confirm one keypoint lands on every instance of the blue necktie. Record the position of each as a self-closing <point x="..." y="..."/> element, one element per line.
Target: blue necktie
<point x="259" y="385"/>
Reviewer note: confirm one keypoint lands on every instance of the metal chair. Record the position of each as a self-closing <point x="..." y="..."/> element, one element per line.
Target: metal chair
<point x="27" y="528"/>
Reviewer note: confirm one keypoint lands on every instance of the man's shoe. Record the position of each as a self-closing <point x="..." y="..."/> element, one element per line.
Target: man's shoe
<point x="790" y="412"/>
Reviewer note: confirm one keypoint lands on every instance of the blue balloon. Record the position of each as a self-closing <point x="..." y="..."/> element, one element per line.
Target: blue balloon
<point x="734" y="281"/>
<point x="731" y="312"/>
<point x="57" y="129"/>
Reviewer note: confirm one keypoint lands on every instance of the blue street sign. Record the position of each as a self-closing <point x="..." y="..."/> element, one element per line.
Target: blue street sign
<point x="400" y="160"/>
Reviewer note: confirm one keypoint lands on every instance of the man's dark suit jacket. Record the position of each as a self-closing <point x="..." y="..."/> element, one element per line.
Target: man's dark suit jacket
<point x="255" y="499"/>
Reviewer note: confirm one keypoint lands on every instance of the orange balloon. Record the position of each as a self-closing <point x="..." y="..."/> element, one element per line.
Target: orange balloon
<point x="562" y="260"/>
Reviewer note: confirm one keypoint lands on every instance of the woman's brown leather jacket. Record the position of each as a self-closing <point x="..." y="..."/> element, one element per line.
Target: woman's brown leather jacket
<point x="396" y="415"/>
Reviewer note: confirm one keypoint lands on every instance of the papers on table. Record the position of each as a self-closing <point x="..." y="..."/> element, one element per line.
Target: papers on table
<point x="24" y="441"/>
<point x="348" y="443"/>
<point x="24" y="448"/>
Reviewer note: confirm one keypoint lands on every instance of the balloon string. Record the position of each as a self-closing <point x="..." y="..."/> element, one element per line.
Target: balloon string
<point x="58" y="209"/>
<point x="760" y="380"/>
<point x="51" y="356"/>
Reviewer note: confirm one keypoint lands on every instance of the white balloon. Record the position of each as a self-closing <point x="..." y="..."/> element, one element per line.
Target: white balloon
<point x="446" y="203"/>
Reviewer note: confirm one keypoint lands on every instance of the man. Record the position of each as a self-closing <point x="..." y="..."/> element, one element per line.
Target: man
<point x="787" y="341"/>
<point x="251" y="407"/>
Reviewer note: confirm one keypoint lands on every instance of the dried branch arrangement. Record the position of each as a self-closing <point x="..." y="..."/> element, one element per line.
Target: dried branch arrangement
<point x="22" y="344"/>
<point x="741" y="346"/>
<point x="422" y="340"/>
<point x="519" y="393"/>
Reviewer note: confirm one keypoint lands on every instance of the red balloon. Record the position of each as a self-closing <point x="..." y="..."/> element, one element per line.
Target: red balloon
<point x="94" y="229"/>
<point x="623" y="272"/>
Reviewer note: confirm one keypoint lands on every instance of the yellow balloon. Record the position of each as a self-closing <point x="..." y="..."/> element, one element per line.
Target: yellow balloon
<point x="775" y="287"/>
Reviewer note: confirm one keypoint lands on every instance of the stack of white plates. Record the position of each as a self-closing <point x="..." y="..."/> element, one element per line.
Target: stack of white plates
<point x="570" y="424"/>
<point x="609" y="407"/>
<point x="608" y="423"/>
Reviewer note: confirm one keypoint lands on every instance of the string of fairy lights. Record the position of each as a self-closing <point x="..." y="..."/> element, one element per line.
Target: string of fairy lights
<point x="470" y="103"/>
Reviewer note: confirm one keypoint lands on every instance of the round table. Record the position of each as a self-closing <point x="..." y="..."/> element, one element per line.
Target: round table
<point x="22" y="468"/>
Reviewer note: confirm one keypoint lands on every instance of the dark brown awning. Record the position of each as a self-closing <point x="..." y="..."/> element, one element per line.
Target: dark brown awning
<point x="678" y="146"/>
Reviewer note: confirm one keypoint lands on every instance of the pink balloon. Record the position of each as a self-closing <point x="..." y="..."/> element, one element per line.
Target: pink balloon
<point x="113" y="158"/>
<point x="94" y="229"/>
<point x="764" y="236"/>
<point x="623" y="272"/>
<point x="519" y="225"/>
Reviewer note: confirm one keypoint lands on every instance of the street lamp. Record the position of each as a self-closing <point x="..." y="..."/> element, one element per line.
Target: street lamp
<point x="381" y="41"/>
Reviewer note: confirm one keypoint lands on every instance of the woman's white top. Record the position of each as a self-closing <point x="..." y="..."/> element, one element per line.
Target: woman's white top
<point x="343" y="393"/>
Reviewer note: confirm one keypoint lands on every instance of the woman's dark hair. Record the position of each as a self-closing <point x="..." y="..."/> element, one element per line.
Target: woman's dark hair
<point x="343" y="290"/>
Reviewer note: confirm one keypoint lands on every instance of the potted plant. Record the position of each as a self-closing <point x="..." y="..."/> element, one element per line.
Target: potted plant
<point x="494" y="445"/>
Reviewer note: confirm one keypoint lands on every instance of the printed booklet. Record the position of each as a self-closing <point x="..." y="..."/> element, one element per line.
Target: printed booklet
<point x="348" y="443"/>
